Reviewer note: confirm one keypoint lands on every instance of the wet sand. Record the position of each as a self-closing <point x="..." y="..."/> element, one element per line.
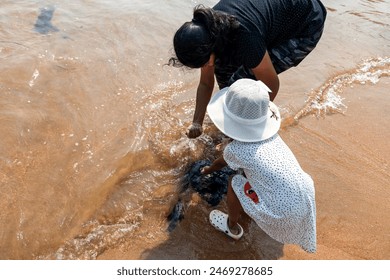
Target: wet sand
<point x="350" y="167"/>
<point x="346" y="154"/>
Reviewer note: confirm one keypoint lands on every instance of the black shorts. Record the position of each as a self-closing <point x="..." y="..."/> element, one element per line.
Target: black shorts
<point x="283" y="56"/>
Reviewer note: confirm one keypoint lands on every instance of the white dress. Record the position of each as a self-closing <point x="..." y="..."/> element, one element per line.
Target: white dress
<point x="275" y="192"/>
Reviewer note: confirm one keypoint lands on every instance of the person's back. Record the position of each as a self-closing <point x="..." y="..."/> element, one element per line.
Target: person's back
<point x="266" y="24"/>
<point x="286" y="198"/>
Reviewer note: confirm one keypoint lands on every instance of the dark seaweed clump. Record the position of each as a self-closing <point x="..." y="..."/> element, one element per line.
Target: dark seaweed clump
<point x="211" y="188"/>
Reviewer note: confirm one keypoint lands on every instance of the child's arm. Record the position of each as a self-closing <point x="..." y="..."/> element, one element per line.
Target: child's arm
<point x="218" y="164"/>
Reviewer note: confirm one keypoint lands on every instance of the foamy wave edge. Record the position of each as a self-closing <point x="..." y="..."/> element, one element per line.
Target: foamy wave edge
<point x="326" y="99"/>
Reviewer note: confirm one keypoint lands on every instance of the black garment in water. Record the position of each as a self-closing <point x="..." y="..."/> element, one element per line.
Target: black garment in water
<point x="211" y="188"/>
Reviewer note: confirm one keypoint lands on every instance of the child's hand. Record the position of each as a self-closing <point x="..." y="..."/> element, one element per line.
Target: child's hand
<point x="221" y="146"/>
<point x="205" y="170"/>
<point x="217" y="164"/>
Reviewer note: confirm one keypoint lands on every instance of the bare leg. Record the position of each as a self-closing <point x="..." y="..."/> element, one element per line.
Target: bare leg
<point x="234" y="208"/>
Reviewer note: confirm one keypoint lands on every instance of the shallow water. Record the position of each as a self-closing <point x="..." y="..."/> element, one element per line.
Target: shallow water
<point x="92" y="122"/>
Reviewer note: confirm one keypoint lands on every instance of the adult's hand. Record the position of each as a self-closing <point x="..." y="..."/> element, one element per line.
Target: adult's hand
<point x="194" y="130"/>
<point x="203" y="95"/>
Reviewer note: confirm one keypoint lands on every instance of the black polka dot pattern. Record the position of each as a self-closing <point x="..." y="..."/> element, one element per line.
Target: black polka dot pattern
<point x="286" y="209"/>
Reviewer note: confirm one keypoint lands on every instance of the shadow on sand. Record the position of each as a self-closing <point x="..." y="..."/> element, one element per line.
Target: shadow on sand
<point x="195" y="238"/>
<point x="191" y="236"/>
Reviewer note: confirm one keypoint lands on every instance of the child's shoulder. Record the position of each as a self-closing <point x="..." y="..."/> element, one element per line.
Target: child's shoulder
<point x="272" y="140"/>
<point x="270" y="144"/>
<point x="237" y="146"/>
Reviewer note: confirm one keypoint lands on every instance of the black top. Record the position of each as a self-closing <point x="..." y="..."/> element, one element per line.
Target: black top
<point x="264" y="24"/>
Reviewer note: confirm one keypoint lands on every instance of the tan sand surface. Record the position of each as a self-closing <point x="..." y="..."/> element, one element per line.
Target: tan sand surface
<point x="350" y="165"/>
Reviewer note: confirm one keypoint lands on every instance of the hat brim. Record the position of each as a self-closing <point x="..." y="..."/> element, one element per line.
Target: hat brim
<point x="239" y="131"/>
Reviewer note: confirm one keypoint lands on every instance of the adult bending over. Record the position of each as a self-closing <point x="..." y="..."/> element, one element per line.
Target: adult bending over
<point x="255" y="39"/>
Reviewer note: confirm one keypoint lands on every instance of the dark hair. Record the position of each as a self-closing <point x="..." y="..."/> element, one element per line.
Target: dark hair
<point x="209" y="32"/>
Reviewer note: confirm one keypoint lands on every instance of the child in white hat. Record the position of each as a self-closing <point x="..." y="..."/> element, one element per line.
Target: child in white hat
<point x="274" y="190"/>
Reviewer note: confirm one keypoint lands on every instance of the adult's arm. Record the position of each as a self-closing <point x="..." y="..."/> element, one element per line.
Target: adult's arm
<point x="266" y="73"/>
<point x="203" y="96"/>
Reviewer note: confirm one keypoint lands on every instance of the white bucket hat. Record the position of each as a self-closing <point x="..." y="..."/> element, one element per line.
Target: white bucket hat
<point x="244" y="112"/>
